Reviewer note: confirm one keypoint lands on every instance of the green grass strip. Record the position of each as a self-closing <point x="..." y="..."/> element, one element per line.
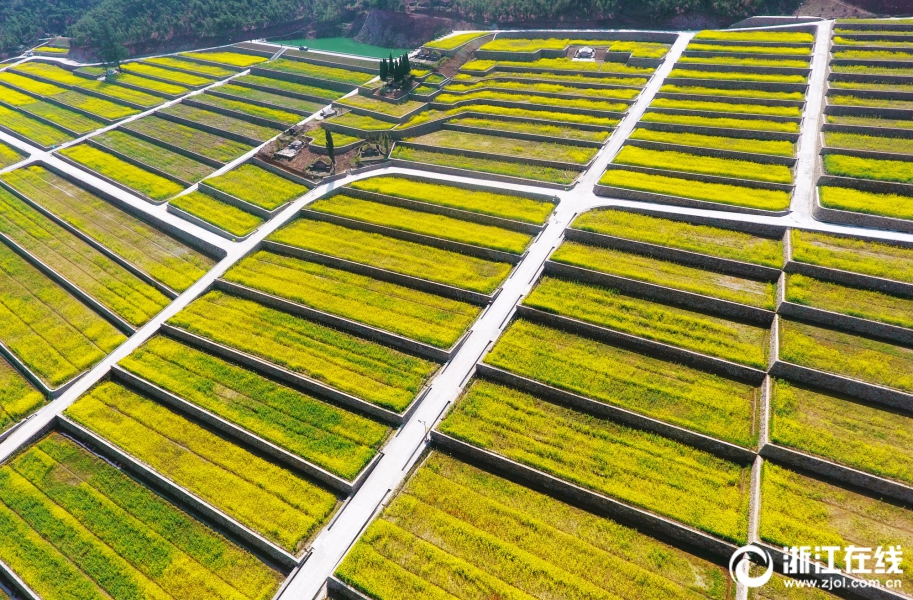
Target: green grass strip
<point x="877" y="259"/>
<point x="270" y="499"/>
<point x="900" y="171"/>
<point x="54" y="334"/>
<point x="486" y="165"/>
<point x="456" y="530"/>
<point x="408" y="258"/>
<point x="871" y="203"/>
<point x="18" y="398"/>
<point x="799" y="510"/>
<point x="721" y="122"/>
<point x="703" y="239"/>
<point x="440" y="226"/>
<point x="507" y="146"/>
<point x="732" y="93"/>
<point x="144" y="182"/>
<point x="856" y="302"/>
<point x="659" y="389"/>
<point x="188" y="138"/>
<point x="869" y="360"/>
<point x="229" y="218"/>
<point x="636" y="467"/>
<point x="366" y="369"/>
<point x="774" y="147"/>
<point x="707" y="165"/>
<point x="727" y="107"/>
<point x="857" y="435"/>
<point x="326" y="435"/>
<point x="177" y="165"/>
<point x="613" y="309"/>
<point x="258" y="186"/>
<point x="668" y="274"/>
<point x="491" y="203"/>
<point x="161" y="256"/>
<point x="411" y="313"/>
<point x="698" y="190"/>
<point x="109" y="283"/>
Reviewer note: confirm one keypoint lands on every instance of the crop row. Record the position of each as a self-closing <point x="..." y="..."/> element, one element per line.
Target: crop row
<point x="9" y="155"/>
<point x="639" y="49"/>
<point x="695" y="163"/>
<point x="78" y="262"/>
<point x="747" y="92"/>
<point x="188" y="138"/>
<point x="558" y="130"/>
<point x="91" y="104"/>
<point x="721" y="122"/>
<point x="270" y="499"/>
<point x="62" y="117"/>
<point x="227" y="217"/>
<point x="162" y="257"/>
<point x="898" y="206"/>
<point x="507" y="146"/>
<point x="485" y="165"/>
<point x="763" y="61"/>
<point x="521" y="98"/>
<point x="257" y="186"/>
<point x="783" y="37"/>
<point x="337" y="440"/>
<point x="877" y="259"/>
<point x="559" y="64"/>
<point x="718" y="142"/>
<point x="18" y="398"/>
<point x="144" y="83"/>
<point x="551" y="76"/>
<point x="746" y="76"/>
<point x="280" y="86"/>
<point x="296" y="67"/>
<point x="54" y="335"/>
<point x="537" y="86"/>
<point x="146" y="183"/>
<point x="555" y="116"/>
<point x="73" y="526"/>
<point x="221" y="122"/>
<point x="181" y="64"/>
<point x="365" y="369"/>
<point x="273" y="114"/>
<point x="235" y="59"/>
<point x="241" y="93"/>
<point x="157" y="157"/>
<point x="373" y="104"/>
<point x="169" y="75"/>
<point x="32" y="129"/>
<point x="65" y="77"/>
<point x="455" y="529"/>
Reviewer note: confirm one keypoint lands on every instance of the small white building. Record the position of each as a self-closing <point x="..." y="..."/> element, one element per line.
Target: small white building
<point x="585" y="52"/>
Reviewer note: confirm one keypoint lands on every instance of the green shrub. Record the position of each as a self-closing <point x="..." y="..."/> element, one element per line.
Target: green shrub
<point x="670" y="88"/>
<point x="439" y="226"/>
<point x="506" y="146"/>
<point x="54" y="335"/>
<point x="270" y="499"/>
<point x="188" y="138"/>
<point x="777" y="148"/>
<point x="900" y="171"/>
<point x="94" y="273"/>
<point x="856" y="302"/>
<point x="877" y="259"/>
<point x="158" y="254"/>
<point x="869" y="360"/>
<point x="337" y="440"/>
<point x="721" y="122"/>
<point x="502" y="538"/>
<point x="668" y="274"/>
<point x="703" y="239"/>
<point x="172" y="163"/>
<point x="698" y="190"/>
<point x="169" y="75"/>
<point x="491" y="203"/>
<point x="225" y="216"/>
<point x="258" y="186"/>
<point x="613" y="309"/>
<point x="659" y="389"/>
<point x="725" y="107"/>
<point x="708" y="165"/>
<point x="853" y="434"/>
<point x="425" y="317"/>
<point x="633" y="466"/>
<point x="222" y="122"/>
<point x="366" y="369"/>
<point x="486" y="165"/>
<point x="235" y="59"/>
<point x="146" y="183"/>
<point x="407" y="258"/>
<point x="872" y="203"/>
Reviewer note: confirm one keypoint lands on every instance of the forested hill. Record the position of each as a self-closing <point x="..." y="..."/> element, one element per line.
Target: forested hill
<point x="143" y="25"/>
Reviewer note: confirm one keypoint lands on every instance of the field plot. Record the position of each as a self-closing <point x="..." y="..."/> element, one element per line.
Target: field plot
<point x="610" y="308"/>
<point x="100" y="107"/>
<point x="9" y="155"/>
<point x="162" y="257"/>
<point x="73" y="526"/>
<point x="180" y="64"/>
<point x="94" y="273"/>
<point x="520" y="98"/>
<point x="375" y="373"/>
<point x="448" y="228"/>
<point x="727" y="107"/>
<point x="552" y="114"/>
<point x="899" y="171"/>
<point x="274" y="115"/>
<point x="839" y="429"/>
<point x="706" y="165"/>
<point x="32" y="129"/>
<point x="222" y="122"/>
<point x="337" y="440"/>
<point x="67" y="78"/>
<point x="258" y="186"/>
<point x="638" y="468"/>
<point x="18" y="398"/>
<point x="270" y="499"/>
<point x="297" y="67"/>
<point x="533" y="87"/>
<point x="697" y="140"/>
<point x="507" y="147"/>
<point x="795" y="507"/>
<point x="279" y="86"/>
<point x="722" y="122"/>
<point x="67" y="119"/>
<point x="866" y="359"/>
<point x="877" y="259"/>
<point x="856" y="302"/>
<point x="169" y="75"/>
<point x="559" y="64"/>
<point x="387" y="108"/>
<point x="872" y="203"/>
<point x="659" y="389"/>
<point x="412" y="313"/>
<point x="241" y="93"/>
<point x="231" y="219"/>
<point x="455" y="531"/>
<point x="148" y="184"/>
<point x="235" y="59"/>
<point x="639" y="49"/>
<point x="407" y="258"/>
<point x="486" y="165"/>
<point x="157" y="157"/>
<point x="760" y="294"/>
<point x="855" y="141"/>
<point x="187" y="138"/>
<point x="50" y="331"/>
<point x="151" y="85"/>
<point x="454" y="41"/>
<point x="559" y="130"/>
<point x="745" y="75"/>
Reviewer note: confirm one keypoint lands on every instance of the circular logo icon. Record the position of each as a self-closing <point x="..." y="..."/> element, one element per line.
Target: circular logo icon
<point x="739" y="563"/>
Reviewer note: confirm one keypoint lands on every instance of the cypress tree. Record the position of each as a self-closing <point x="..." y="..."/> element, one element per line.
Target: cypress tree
<point x="331" y="148"/>
<point x="383" y="69"/>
